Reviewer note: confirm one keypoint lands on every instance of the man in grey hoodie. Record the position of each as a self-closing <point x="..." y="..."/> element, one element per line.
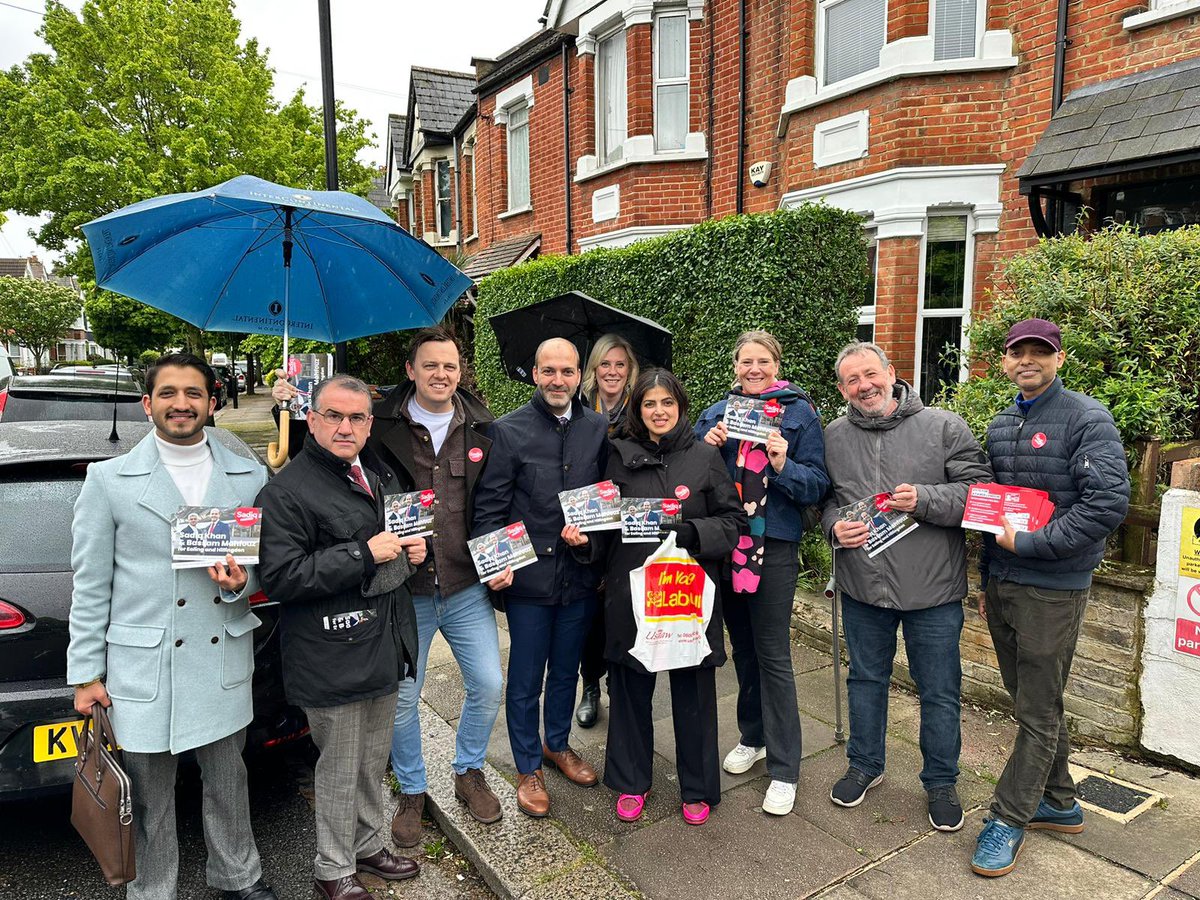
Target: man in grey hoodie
<point x="925" y="458"/>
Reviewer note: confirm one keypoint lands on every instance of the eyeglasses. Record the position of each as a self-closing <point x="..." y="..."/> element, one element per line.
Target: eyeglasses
<point x="334" y="418"/>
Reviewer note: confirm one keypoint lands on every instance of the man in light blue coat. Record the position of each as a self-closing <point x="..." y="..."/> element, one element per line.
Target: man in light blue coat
<point x="171" y="651"/>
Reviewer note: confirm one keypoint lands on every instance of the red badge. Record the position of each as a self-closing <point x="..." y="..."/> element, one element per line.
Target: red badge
<point x="247" y="516"/>
<point x="474" y="454"/>
<point x="426" y="498"/>
<point x="671" y="507"/>
<point x="683" y="492"/>
<point x="772" y="408"/>
<point x="1038" y="441"/>
<point x="516" y="530"/>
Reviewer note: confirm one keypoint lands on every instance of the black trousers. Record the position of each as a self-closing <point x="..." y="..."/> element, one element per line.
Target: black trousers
<point x="629" y="759"/>
<point x="592" y="664"/>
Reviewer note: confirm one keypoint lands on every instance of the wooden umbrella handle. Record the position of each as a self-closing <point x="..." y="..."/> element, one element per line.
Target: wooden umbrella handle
<point x="277" y="453"/>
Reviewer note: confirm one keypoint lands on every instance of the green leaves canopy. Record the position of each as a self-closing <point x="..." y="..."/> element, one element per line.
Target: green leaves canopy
<point x="36" y="313"/>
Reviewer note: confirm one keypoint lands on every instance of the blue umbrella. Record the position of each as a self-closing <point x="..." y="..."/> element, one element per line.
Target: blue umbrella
<point x="249" y="255"/>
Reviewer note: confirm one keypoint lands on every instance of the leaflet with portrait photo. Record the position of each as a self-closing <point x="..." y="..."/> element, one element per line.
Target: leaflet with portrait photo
<point x="498" y="550"/>
<point x="409" y="515"/>
<point x="1027" y="509"/>
<point x="203" y="535"/>
<point x="644" y="518"/>
<point x="596" y="507"/>
<point x="885" y="525"/>
<point x="752" y="419"/>
<point x="304" y="370"/>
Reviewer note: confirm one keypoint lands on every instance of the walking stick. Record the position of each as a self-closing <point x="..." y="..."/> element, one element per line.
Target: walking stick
<point x="835" y="599"/>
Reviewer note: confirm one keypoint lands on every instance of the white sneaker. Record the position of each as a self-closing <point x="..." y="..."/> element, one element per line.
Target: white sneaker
<point x="741" y="758"/>
<point x="780" y="798"/>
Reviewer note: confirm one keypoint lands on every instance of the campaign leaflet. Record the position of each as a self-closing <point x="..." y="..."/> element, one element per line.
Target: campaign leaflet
<point x="751" y="419"/>
<point x="203" y="535"/>
<point x="886" y="525"/>
<point x="643" y="518"/>
<point x="409" y="515"/>
<point x="304" y="370"/>
<point x="1027" y="509"/>
<point x="497" y="550"/>
<point x="596" y="507"/>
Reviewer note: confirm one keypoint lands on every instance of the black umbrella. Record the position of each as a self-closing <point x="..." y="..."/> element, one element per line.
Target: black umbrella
<point x="582" y="321"/>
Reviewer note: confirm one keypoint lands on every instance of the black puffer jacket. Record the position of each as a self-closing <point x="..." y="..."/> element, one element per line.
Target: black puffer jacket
<point x="1069" y="447"/>
<point x="316" y="563"/>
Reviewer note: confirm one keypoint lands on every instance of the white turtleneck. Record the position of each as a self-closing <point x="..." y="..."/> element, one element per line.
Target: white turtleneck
<point x="190" y="466"/>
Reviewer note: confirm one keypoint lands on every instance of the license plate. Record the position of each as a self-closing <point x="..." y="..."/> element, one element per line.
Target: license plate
<point x="56" y="741"/>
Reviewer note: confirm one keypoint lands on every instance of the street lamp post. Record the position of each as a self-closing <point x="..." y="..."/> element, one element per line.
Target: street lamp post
<point x="340" y="361"/>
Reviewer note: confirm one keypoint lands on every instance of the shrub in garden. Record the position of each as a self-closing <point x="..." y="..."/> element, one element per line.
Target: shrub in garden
<point x="799" y="274"/>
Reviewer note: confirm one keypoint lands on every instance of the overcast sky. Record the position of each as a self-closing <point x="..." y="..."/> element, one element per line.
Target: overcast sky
<point x="375" y="42"/>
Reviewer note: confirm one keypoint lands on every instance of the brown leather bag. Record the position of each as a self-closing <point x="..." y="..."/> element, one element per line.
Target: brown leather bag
<point x="102" y="799"/>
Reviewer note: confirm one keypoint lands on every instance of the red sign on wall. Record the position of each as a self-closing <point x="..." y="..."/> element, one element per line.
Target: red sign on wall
<point x="1187" y="636"/>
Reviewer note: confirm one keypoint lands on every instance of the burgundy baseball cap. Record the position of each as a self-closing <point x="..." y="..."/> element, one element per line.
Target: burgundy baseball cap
<point x="1035" y="330"/>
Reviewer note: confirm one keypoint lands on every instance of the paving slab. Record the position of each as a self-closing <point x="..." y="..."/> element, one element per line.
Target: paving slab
<point x="1188" y="882"/>
<point x="1047" y="868"/>
<point x="739" y="852"/>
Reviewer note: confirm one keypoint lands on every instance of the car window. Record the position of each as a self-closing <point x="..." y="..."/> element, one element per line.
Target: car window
<point x="35" y="520"/>
<point x="30" y="409"/>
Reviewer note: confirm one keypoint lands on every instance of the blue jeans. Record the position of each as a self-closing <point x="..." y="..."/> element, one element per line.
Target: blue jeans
<point x="931" y="639"/>
<point x="545" y="644"/>
<point x="468" y="623"/>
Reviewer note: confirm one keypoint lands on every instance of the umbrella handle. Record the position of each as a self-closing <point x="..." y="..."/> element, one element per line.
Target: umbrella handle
<point x="277" y="453"/>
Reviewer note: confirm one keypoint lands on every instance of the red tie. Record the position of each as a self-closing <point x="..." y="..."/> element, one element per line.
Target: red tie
<point x="356" y="475"/>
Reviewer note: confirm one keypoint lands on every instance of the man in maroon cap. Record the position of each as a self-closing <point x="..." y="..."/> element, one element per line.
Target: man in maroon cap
<point x="1036" y="583"/>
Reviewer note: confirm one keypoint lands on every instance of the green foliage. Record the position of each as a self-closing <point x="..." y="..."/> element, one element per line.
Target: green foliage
<point x="128" y="327"/>
<point x="1129" y="308"/>
<point x="36" y="313"/>
<point x="378" y="359"/>
<point x="799" y="274"/>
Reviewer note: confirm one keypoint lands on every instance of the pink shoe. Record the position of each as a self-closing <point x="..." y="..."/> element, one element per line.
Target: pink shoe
<point x="630" y="806"/>
<point x="695" y="813"/>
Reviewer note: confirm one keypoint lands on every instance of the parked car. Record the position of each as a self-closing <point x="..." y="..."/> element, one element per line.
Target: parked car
<point x="108" y="369"/>
<point x="8" y="366"/>
<point x="40" y="398"/>
<point x="42" y="467"/>
<point x="225" y="384"/>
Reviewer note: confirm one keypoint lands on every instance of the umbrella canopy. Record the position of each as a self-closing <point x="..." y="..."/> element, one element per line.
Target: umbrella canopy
<point x="216" y="258"/>
<point x="581" y="320"/>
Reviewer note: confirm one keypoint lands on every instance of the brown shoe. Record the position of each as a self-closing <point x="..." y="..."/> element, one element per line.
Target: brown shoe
<point x="472" y="789"/>
<point x="571" y="764"/>
<point x="389" y="866"/>
<point x="406" y="824"/>
<point x="345" y="888"/>
<point x="532" y="798"/>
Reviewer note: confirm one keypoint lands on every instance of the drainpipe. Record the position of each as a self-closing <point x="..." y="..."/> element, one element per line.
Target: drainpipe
<point x="708" y="165"/>
<point x="741" y="138"/>
<point x="567" y="91"/>
<point x="1061" y="42"/>
<point x="457" y="188"/>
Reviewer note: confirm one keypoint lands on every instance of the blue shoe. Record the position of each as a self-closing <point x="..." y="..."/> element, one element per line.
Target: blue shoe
<point x="997" y="849"/>
<point x="1050" y="818"/>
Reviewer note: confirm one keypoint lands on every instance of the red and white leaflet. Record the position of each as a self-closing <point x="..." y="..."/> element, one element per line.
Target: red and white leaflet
<point x="1027" y="509"/>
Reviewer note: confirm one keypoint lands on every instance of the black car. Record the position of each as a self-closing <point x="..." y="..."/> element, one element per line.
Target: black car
<point x="46" y="398"/>
<point x="42" y="466"/>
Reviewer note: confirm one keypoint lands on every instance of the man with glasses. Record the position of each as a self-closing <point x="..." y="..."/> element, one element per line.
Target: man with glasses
<point x="348" y="629"/>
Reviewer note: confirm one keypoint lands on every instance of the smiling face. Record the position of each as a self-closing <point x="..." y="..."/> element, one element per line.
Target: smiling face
<point x="557" y="374"/>
<point x="866" y="384"/>
<point x="612" y="374"/>
<point x="756" y="368"/>
<point x="660" y="412"/>
<point x="435" y="373"/>
<point x="180" y="404"/>
<point x="1032" y="365"/>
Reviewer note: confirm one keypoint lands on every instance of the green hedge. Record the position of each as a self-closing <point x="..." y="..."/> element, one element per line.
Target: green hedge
<point x="800" y="274"/>
<point x="1129" y="308"/>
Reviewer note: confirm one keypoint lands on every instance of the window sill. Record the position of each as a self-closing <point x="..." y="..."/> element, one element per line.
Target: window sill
<point x="519" y="211"/>
<point x="638" y="150"/>
<point x="1162" y="14"/>
<point x="905" y="58"/>
<point x="471" y="237"/>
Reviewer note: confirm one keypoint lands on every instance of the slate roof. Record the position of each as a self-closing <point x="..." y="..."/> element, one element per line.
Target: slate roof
<point x="378" y="194"/>
<point x="443" y="98"/>
<point x="517" y="60"/>
<point x="1139" y="121"/>
<point x="13" y="268"/>
<point x="502" y="254"/>
<point x="397" y="127"/>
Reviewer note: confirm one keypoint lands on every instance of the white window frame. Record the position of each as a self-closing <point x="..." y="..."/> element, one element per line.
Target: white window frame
<point x="516" y="204"/>
<point x="606" y="155"/>
<point x="410" y="202"/>
<point x="438" y="199"/>
<point x="685" y="79"/>
<point x="1160" y="11"/>
<point x="867" y="312"/>
<point x="822" y="6"/>
<point x="474" y="193"/>
<point x="980" y="28"/>
<point x="963" y="312"/>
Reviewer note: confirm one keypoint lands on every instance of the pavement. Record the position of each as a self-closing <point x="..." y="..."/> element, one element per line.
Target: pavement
<point x="884" y="848"/>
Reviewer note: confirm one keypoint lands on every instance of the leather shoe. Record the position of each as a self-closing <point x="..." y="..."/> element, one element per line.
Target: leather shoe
<point x="406" y="823"/>
<point x="532" y="798"/>
<point x="571" y="764"/>
<point x="260" y="890"/>
<point x="589" y="705"/>
<point x="348" y="887"/>
<point x="472" y="789"/>
<point x="389" y="866"/>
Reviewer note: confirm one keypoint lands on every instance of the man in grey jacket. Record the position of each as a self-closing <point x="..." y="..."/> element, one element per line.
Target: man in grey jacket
<point x="925" y="459"/>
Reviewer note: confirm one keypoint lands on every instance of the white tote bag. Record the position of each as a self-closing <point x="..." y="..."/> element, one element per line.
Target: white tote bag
<point x="672" y="606"/>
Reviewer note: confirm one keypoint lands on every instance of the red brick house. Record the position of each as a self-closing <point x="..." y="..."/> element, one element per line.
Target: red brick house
<point x="957" y="128"/>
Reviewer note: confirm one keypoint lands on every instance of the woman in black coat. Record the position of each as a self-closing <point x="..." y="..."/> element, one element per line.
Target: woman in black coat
<point x="661" y="458"/>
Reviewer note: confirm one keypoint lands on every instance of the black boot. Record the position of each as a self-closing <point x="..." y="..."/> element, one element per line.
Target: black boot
<point x="589" y="704"/>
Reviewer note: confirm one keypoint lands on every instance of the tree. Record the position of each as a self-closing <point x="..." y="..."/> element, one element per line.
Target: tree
<point x="128" y="327"/>
<point x="36" y="313"/>
<point x="139" y="98"/>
